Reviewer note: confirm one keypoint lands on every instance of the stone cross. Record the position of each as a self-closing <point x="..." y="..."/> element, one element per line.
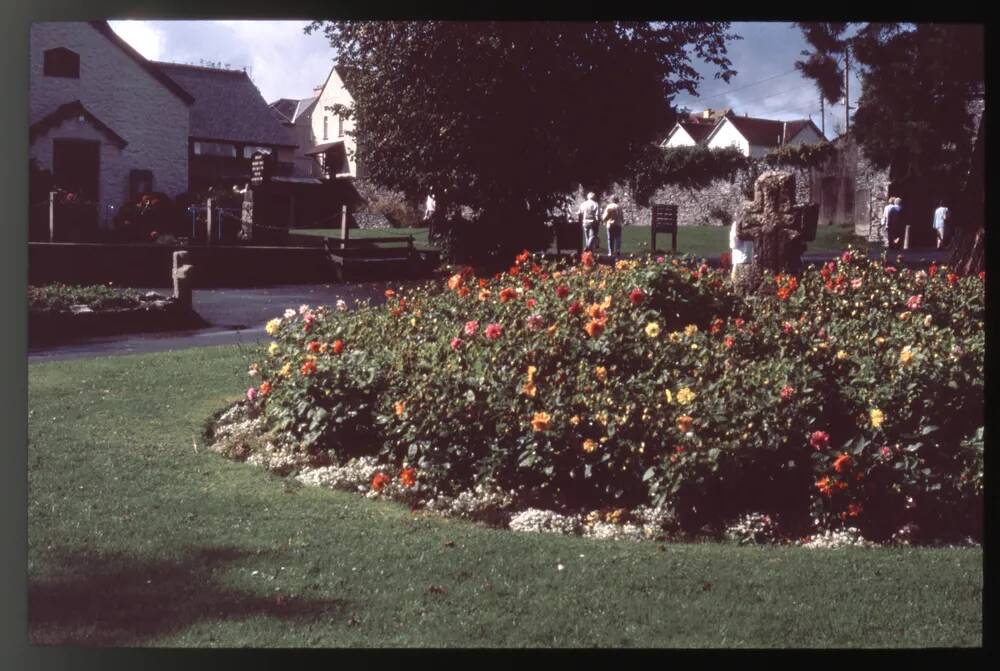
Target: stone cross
<point x="778" y="228"/>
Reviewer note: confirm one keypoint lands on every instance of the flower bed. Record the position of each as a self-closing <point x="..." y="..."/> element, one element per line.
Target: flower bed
<point x="59" y="312"/>
<point x="850" y="397"/>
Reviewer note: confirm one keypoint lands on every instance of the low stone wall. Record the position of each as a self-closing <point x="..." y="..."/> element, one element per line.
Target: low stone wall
<point x="46" y="327"/>
<point x="152" y="265"/>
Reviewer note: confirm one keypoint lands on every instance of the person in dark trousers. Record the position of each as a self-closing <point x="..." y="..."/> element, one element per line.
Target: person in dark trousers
<point x="589" y="214"/>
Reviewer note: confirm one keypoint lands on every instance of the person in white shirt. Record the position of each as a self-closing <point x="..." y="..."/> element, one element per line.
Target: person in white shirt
<point x="614" y="220"/>
<point x="941" y="216"/>
<point x="742" y="250"/>
<point x="589" y="214"/>
<point x="430" y="207"/>
<point x="889" y="207"/>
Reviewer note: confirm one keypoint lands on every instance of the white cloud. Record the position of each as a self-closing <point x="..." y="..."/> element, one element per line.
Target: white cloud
<point x="141" y="36"/>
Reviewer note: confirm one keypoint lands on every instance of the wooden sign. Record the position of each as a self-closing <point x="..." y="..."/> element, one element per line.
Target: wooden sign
<point x="663" y="219"/>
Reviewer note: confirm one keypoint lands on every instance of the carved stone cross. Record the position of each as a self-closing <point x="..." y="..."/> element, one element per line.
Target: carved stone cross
<point x="778" y="228"/>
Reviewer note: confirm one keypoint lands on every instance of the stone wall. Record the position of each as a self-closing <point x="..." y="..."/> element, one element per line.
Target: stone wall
<point x="713" y="205"/>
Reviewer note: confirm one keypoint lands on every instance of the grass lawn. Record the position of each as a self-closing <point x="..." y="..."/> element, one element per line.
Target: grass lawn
<point x="695" y="240"/>
<point x="139" y="536"/>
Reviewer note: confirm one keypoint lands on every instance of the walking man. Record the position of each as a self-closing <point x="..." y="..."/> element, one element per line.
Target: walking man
<point x="614" y="220"/>
<point x="589" y="214"/>
<point x="941" y="216"/>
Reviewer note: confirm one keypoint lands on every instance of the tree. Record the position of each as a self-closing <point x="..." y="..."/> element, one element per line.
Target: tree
<point x="822" y="65"/>
<point x="913" y="116"/>
<point x="504" y="117"/>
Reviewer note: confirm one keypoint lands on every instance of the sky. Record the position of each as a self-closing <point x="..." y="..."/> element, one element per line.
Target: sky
<point x="284" y="62"/>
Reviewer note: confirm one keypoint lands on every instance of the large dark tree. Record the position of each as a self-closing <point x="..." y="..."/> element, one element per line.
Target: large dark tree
<point x="504" y="117"/>
<point x="919" y="84"/>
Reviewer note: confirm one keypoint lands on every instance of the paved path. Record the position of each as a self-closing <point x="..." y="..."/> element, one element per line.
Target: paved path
<point x="237" y="316"/>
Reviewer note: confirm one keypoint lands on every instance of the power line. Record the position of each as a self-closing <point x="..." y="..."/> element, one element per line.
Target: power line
<point x="721" y="93"/>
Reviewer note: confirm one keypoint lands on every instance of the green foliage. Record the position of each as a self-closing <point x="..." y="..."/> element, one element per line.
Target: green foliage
<point x="505" y="116"/>
<point x="692" y="167"/>
<point x="653" y="382"/>
<point x="60" y="297"/>
<point x="801" y="155"/>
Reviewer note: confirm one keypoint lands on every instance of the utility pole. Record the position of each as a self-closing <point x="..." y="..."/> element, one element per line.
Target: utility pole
<point x="822" y="115"/>
<point x="847" y="89"/>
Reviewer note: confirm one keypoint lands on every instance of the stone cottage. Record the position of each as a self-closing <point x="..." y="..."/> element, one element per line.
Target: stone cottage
<point x="105" y="121"/>
<point x="230" y="121"/>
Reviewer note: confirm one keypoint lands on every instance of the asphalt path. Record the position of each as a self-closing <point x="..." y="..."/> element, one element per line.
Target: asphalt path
<point x="238" y="316"/>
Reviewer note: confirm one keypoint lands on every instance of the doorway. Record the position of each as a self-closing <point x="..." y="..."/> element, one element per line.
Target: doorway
<point x="76" y="167"/>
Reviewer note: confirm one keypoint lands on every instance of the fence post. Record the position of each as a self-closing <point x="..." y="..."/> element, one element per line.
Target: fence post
<point x="344" y="231"/>
<point x="208" y="222"/>
<point x="52" y="216"/>
<point x="906" y="237"/>
<point x="182" y="275"/>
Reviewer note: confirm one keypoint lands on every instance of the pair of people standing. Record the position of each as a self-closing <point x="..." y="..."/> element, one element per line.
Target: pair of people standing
<point x="590" y="217"/>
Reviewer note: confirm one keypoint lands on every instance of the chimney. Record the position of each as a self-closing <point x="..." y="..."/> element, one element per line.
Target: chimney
<point x="784" y="132"/>
<point x="707" y="114"/>
<point x="317" y="89"/>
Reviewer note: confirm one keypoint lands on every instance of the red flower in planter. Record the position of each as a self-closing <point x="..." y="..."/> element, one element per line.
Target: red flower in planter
<point x="575" y="308"/>
<point x="932" y="271"/>
<point x="716" y="325"/>
<point x="726" y="259"/>
<point x="913" y="302"/>
<point x="313" y="346"/>
<point x="819" y="440"/>
<point x="308" y="368"/>
<point x="637" y="296"/>
<point x="389" y="293"/>
<point x="338" y="346"/>
<point x="522" y="257"/>
<point x="729" y="341"/>
<point x="265" y="388"/>
<point x="786" y="393"/>
<point x="507" y="294"/>
<point x="982" y="275"/>
<point x="842" y="463"/>
<point x="952" y="278"/>
<point x="493" y="331"/>
<point x="471" y="327"/>
<point x="456" y="343"/>
<point x="562" y="291"/>
<point x="531" y="302"/>
<point x="587" y="259"/>
<point x="379" y="481"/>
<point x="408" y="476"/>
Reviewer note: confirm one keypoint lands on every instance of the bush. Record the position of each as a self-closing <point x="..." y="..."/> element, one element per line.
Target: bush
<point x="149" y="216"/>
<point x="61" y="297"/>
<point x="853" y="396"/>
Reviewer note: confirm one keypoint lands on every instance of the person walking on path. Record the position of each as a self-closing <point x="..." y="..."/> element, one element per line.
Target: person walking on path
<point x="892" y="218"/>
<point x="614" y="220"/>
<point x="589" y="214"/>
<point x="941" y="227"/>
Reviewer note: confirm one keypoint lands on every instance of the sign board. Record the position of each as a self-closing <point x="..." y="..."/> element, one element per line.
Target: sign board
<point x="259" y="168"/>
<point x="663" y="219"/>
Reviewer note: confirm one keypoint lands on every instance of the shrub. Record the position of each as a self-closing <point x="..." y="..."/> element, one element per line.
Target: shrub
<point x="852" y="396"/>
<point x="61" y="297"/>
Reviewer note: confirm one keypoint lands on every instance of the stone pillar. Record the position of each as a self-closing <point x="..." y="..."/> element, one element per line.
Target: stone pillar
<point x="778" y="228"/>
<point x="208" y="222"/>
<point x="52" y="216"/>
<point x="183" y="275"/>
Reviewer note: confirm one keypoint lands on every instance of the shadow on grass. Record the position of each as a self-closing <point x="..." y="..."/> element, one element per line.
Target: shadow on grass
<point x="115" y="599"/>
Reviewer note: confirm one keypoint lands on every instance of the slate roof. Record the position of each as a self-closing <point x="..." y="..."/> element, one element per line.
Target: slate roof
<point x="290" y="110"/>
<point x="103" y="28"/>
<point x="227" y="106"/>
<point x="768" y="132"/>
<point x="72" y="110"/>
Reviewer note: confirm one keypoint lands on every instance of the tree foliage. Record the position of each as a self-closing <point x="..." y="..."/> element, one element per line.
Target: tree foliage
<point x="505" y="116"/>
<point x="692" y="167"/>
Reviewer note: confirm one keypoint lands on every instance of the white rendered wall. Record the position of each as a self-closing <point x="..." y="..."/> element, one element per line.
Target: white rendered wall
<point x="727" y="136"/>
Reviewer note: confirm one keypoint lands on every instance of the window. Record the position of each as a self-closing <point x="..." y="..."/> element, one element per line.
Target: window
<point x="340" y="126"/>
<point x="249" y="151"/>
<point x="326" y="135"/>
<point x="214" y="149"/>
<point x="60" y="62"/>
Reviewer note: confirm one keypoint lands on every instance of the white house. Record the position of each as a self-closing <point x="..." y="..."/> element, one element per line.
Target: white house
<point x="324" y="135"/>
<point x="694" y="128"/>
<point x="758" y="137"/>
<point x="104" y="120"/>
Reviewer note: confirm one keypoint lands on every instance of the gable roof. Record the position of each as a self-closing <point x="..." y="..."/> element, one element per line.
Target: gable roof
<point x="699" y="132"/>
<point x="104" y="29"/>
<point x="227" y="106"/>
<point x="68" y="111"/>
<point x="764" y="132"/>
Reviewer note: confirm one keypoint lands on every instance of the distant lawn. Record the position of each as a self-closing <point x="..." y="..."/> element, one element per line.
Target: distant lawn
<point x="138" y="536"/>
<point x="695" y="240"/>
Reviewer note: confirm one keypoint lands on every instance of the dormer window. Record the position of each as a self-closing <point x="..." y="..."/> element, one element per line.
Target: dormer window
<point x="61" y="62"/>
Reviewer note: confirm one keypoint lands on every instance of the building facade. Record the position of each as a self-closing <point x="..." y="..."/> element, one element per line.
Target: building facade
<point x="106" y="122"/>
